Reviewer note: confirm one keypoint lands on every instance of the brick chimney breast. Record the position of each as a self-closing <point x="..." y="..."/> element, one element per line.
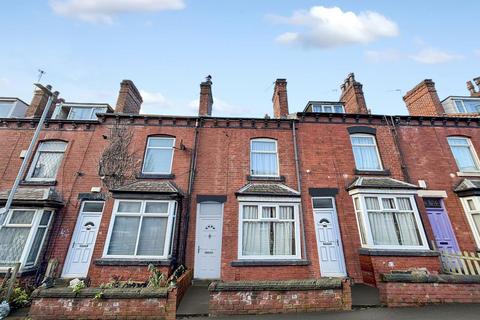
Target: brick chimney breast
<point x="38" y="104"/>
<point x="352" y="96"/>
<point x="206" y="98"/>
<point x="280" y="99"/>
<point x="129" y="99"/>
<point x="423" y="100"/>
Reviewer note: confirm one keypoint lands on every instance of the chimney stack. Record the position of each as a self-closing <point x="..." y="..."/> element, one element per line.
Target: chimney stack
<point x="471" y="88"/>
<point x="38" y="104"/>
<point x="129" y="98"/>
<point x="206" y="98"/>
<point x="352" y="96"/>
<point x="423" y="100"/>
<point x="280" y="99"/>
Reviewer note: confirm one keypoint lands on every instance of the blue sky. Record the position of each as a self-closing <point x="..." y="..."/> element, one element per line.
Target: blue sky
<point x="167" y="47"/>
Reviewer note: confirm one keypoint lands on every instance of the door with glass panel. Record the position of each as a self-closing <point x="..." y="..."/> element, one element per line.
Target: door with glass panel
<point x="83" y="240"/>
<point x="442" y="228"/>
<point x="329" y="242"/>
<point x="208" y="240"/>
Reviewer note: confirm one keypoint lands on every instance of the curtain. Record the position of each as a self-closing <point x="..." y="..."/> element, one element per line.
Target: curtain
<point x="12" y="243"/>
<point x="284" y="239"/>
<point x="476" y="220"/>
<point x="383" y="228"/>
<point x="366" y="157"/>
<point x="158" y="160"/>
<point x="47" y="165"/>
<point x="124" y="236"/>
<point x="263" y="157"/>
<point x="407" y="229"/>
<point x="256" y="238"/>
<point x="21" y="217"/>
<point x="129" y="206"/>
<point x="464" y="158"/>
<point x="152" y="236"/>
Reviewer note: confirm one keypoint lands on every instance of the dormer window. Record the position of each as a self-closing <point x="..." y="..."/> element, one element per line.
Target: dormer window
<point x="467" y="105"/>
<point x="328" y="108"/>
<point x="75" y="111"/>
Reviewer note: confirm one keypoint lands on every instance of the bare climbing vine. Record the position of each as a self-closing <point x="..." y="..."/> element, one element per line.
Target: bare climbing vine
<point x="118" y="164"/>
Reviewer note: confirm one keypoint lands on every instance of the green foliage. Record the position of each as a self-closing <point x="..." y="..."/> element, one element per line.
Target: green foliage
<point x="78" y="286"/>
<point x="98" y="296"/>
<point x="20" y="298"/>
<point x="157" y="279"/>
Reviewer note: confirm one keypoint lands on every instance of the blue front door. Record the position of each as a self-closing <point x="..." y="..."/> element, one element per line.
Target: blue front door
<point x="442" y="228"/>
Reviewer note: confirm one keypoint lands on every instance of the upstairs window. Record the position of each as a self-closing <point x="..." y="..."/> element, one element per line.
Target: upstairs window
<point x="365" y="152"/>
<point x="78" y="112"/>
<point x="264" y="158"/>
<point x="467" y="105"/>
<point x="159" y="155"/>
<point x="472" y="209"/>
<point x="5" y="109"/>
<point x="464" y="154"/>
<point x="328" y="108"/>
<point x="47" y="160"/>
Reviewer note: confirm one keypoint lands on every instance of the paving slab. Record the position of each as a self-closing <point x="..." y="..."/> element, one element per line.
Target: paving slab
<point x="364" y="295"/>
<point x="195" y="301"/>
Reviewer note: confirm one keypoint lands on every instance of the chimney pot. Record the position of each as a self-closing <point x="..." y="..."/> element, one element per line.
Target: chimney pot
<point x="280" y="99"/>
<point x="352" y="96"/>
<point x="129" y="99"/>
<point x="471" y="88"/>
<point x="39" y="102"/>
<point x="477" y="81"/>
<point x="206" y="98"/>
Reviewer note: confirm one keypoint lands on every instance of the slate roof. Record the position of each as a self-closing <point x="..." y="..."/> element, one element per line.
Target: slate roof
<point x="270" y="189"/>
<point x="34" y="195"/>
<point x="143" y="186"/>
<point x="380" y="183"/>
<point x="467" y="184"/>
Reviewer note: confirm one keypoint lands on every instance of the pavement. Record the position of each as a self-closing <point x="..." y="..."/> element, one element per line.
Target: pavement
<point x="434" y="312"/>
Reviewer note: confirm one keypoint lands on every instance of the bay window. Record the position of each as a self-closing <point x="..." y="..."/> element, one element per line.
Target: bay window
<point x="471" y="206"/>
<point x="389" y="221"/>
<point x="365" y="152"/>
<point x="22" y="236"/>
<point x="464" y="154"/>
<point x="141" y="229"/>
<point x="158" y="155"/>
<point x="47" y="161"/>
<point x="264" y="157"/>
<point x="269" y="231"/>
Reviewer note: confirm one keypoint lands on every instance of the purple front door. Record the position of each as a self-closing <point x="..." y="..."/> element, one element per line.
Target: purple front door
<point x="442" y="228"/>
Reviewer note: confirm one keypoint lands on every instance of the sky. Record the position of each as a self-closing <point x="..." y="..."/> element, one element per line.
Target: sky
<point x="167" y="47"/>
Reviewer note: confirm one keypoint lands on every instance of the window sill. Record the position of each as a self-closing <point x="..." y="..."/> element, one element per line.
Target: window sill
<point x="155" y="176"/>
<point x="266" y="263"/>
<point x="260" y="178"/>
<point x="132" y="262"/>
<point x="385" y="172"/>
<point x="38" y="183"/>
<point x="28" y="271"/>
<point x="398" y="252"/>
<point x="468" y="174"/>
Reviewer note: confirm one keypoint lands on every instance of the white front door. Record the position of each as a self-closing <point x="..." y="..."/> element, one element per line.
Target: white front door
<point x="329" y="245"/>
<point x="83" y="241"/>
<point x="208" y="240"/>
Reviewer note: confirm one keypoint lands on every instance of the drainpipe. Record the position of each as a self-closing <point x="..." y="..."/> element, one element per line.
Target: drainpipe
<point x="396" y="141"/>
<point x="52" y="96"/>
<point x="191" y="179"/>
<point x="299" y="187"/>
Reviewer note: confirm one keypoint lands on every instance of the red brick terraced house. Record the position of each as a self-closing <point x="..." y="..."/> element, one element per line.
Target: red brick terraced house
<point x="288" y="206"/>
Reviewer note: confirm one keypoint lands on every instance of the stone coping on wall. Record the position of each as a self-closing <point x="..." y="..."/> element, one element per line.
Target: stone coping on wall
<point x="430" y="278"/>
<point x="113" y="293"/>
<point x="398" y="253"/>
<point x="132" y="262"/>
<point x="267" y="263"/>
<point x="284" y="285"/>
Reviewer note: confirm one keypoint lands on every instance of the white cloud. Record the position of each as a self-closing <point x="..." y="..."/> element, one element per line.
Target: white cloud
<point x="156" y="103"/>
<point x="331" y="27"/>
<point x="222" y="108"/>
<point x="104" y="11"/>
<point x="378" y="56"/>
<point x="434" y="56"/>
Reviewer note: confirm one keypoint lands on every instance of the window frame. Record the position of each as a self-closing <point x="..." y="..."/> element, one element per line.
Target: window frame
<point x="164" y="148"/>
<point x="33" y="164"/>
<point x="362" y="217"/>
<point x="12" y="107"/>
<point x="462" y="101"/>
<point x="277" y="174"/>
<point x="34" y="226"/>
<point x="260" y="205"/>
<point x="169" y="233"/>
<point x="374" y="138"/>
<point x="469" y="213"/>
<point x="322" y="108"/>
<point x="472" y="150"/>
<point x="92" y="112"/>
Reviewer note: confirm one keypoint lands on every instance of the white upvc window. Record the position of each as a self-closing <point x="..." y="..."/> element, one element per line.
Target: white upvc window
<point x="22" y="236"/>
<point x="389" y="221"/>
<point x="141" y="229"/>
<point x="464" y="154"/>
<point x="328" y="108"/>
<point x="47" y="160"/>
<point x="471" y="205"/>
<point x="84" y="113"/>
<point x="159" y="155"/>
<point x="269" y="230"/>
<point x="6" y="109"/>
<point x="264" y="158"/>
<point x="365" y="152"/>
<point x="467" y="105"/>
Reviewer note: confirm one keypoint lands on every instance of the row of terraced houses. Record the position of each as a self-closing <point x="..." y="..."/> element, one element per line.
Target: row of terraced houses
<point x="297" y="206"/>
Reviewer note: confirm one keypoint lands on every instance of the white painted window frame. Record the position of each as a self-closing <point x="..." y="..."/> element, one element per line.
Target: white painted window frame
<point x="374" y="139"/>
<point x="33" y="226"/>
<point x="463" y="105"/>
<point x="92" y="112"/>
<point x="264" y="152"/>
<point x="147" y="147"/>
<point x="469" y="213"/>
<point x="33" y="164"/>
<point x="296" y="220"/>
<point x="473" y="153"/>
<point x="168" y="232"/>
<point x="366" y="222"/>
<point x="321" y="108"/>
